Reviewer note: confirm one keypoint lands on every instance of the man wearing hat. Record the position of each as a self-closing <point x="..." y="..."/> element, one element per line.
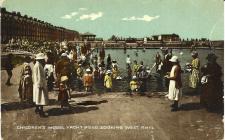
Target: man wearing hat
<point x="175" y="84"/>
<point x="40" y="91"/>
<point x="108" y="81"/>
<point x="195" y="65"/>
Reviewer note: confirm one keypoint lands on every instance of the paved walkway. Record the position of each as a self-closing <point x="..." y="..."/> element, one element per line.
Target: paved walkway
<point x="107" y="116"/>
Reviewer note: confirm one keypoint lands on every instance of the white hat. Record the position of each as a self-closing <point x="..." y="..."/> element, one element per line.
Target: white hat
<point x="194" y="53"/>
<point x="187" y="64"/>
<point x="108" y="71"/>
<point x="40" y="56"/>
<point x="134" y="77"/>
<point x="64" y="78"/>
<point x="88" y="70"/>
<point x="63" y="54"/>
<point x="174" y="59"/>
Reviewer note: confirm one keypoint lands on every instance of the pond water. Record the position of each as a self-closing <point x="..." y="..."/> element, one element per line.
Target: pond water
<point x="155" y="83"/>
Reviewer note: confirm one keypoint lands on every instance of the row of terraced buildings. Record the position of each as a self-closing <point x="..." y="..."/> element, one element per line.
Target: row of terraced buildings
<point x="17" y="26"/>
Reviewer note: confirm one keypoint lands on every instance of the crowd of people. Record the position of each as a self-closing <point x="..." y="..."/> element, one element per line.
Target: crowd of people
<point x="68" y="68"/>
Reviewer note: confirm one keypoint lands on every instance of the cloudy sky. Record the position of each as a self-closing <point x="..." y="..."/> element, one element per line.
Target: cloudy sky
<point x="135" y="18"/>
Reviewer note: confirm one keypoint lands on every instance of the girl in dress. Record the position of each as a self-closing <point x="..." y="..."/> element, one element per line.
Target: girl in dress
<point x="175" y="84"/>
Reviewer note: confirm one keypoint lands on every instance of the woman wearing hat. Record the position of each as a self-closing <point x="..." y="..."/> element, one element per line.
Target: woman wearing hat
<point x="175" y="83"/>
<point x="108" y="81"/>
<point x="194" y="77"/>
<point x="26" y="83"/>
<point x="211" y="84"/>
<point x="63" y="68"/>
<point x="40" y="91"/>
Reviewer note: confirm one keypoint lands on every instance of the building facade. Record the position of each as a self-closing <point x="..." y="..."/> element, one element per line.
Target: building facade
<point x="16" y="26"/>
<point x="165" y="37"/>
<point x="169" y="37"/>
<point x="88" y="36"/>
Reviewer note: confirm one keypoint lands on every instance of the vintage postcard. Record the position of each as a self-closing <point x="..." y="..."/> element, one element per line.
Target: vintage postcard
<point x="112" y="69"/>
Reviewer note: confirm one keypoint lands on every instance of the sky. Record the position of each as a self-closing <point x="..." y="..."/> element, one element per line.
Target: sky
<point x="129" y="18"/>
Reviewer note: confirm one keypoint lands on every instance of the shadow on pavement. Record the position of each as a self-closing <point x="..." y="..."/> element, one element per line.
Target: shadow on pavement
<point x="15" y="106"/>
<point x="219" y="111"/>
<point x="71" y="110"/>
<point x="23" y="105"/>
<point x="92" y="102"/>
<point x="80" y="95"/>
<point x="198" y="106"/>
<point x="191" y="106"/>
<point x="191" y="92"/>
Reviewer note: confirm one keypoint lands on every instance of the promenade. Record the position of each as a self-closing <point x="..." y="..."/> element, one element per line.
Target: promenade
<point x="107" y="116"/>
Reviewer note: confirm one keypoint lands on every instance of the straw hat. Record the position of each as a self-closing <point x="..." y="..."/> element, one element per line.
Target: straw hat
<point x="174" y="59"/>
<point x="40" y="56"/>
<point x="64" y="78"/>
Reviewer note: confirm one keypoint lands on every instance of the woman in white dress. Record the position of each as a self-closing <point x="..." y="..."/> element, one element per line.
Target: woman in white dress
<point x="40" y="90"/>
<point x="175" y="84"/>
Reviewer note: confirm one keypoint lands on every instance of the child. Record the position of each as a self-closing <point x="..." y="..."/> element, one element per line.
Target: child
<point x="115" y="71"/>
<point x="101" y="71"/>
<point x="108" y="81"/>
<point x="63" y="92"/>
<point x="79" y="77"/>
<point x="134" y="84"/>
<point x="88" y="80"/>
<point x="129" y="72"/>
<point x="49" y="76"/>
<point x="135" y="68"/>
<point x="96" y="73"/>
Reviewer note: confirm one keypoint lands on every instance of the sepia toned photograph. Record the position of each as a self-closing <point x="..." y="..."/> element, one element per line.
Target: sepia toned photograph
<point x="112" y="69"/>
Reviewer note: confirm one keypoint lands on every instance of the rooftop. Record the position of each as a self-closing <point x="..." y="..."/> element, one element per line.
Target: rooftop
<point x="87" y="34"/>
